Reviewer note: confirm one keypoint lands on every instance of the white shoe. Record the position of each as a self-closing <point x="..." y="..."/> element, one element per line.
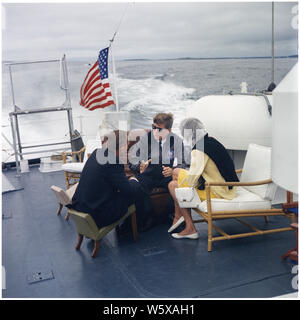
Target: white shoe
<point x="176" y="225"/>
<point x="186" y="236"/>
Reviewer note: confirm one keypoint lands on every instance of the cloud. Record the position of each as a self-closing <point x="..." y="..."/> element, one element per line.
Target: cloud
<point x="148" y="30"/>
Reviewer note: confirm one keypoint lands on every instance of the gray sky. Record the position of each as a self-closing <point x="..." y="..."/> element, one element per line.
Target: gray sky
<point x="148" y="30"/>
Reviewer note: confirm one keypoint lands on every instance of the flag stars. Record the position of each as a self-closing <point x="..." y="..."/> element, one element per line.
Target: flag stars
<point x="102" y="62"/>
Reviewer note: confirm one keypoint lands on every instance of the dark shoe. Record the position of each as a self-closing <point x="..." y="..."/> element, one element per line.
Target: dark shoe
<point x="123" y="229"/>
<point x="148" y="225"/>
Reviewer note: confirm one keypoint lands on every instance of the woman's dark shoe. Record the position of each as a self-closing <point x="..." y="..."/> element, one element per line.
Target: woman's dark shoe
<point x="150" y="223"/>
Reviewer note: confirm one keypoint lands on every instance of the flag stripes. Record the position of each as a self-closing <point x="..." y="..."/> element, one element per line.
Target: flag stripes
<point x="95" y="91"/>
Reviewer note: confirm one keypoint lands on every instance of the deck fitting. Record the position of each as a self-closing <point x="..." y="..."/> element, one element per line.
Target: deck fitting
<point x="6" y="215"/>
<point x="40" y="276"/>
<point x="152" y="251"/>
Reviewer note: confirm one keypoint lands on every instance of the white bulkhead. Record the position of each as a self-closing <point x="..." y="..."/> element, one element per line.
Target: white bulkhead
<point x="235" y="120"/>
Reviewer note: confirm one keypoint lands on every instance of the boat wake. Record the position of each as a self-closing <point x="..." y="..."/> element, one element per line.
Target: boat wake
<point x="146" y="97"/>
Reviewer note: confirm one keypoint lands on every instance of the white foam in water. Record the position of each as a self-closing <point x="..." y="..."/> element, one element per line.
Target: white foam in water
<point x="166" y="86"/>
<point x="152" y="95"/>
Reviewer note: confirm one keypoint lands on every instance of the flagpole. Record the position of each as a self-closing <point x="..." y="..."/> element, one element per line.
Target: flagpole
<point x="273" y="80"/>
<point x="113" y="59"/>
<point x="115" y="120"/>
<point x="114" y="75"/>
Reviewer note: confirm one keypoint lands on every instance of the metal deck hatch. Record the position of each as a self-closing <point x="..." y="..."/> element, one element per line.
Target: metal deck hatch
<point x="40" y="276"/>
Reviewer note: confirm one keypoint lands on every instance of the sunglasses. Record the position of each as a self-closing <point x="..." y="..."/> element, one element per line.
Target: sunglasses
<point x="154" y="127"/>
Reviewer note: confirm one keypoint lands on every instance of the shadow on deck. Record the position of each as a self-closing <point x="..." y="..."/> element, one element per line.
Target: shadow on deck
<point x="36" y="243"/>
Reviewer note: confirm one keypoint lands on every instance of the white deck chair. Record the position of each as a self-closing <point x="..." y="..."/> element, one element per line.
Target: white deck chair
<point x="73" y="169"/>
<point x="255" y="193"/>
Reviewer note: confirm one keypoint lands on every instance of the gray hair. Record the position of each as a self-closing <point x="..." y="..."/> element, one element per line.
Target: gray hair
<point x="195" y="127"/>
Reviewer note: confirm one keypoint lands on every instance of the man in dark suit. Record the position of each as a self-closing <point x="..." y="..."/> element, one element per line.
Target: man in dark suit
<point x="153" y="159"/>
<point x="103" y="190"/>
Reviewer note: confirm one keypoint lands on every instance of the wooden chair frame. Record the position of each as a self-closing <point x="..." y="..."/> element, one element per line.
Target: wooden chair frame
<point x="211" y="215"/>
<point x="72" y="177"/>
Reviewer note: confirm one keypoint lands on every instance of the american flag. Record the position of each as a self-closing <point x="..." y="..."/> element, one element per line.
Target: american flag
<point x="95" y="91"/>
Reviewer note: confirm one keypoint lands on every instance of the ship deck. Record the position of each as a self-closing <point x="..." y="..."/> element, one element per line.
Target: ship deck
<point x="36" y="243"/>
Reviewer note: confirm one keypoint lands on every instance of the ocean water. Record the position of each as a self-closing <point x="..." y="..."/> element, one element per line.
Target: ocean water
<point x="144" y="89"/>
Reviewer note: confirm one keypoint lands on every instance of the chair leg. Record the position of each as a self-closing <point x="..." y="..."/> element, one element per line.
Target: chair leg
<point x="210" y="230"/>
<point x="267" y="219"/>
<point x="96" y="248"/>
<point x="292" y="217"/>
<point x="60" y="206"/>
<point x="209" y="220"/>
<point x="209" y="245"/>
<point x="67" y="216"/>
<point x="80" y="238"/>
<point x="67" y="180"/>
<point x="292" y="254"/>
<point x="134" y="226"/>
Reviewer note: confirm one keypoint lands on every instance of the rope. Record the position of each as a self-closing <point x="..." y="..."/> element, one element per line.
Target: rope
<point x="118" y="27"/>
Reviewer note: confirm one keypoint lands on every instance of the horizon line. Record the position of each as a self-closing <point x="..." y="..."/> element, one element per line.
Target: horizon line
<point x="183" y="58"/>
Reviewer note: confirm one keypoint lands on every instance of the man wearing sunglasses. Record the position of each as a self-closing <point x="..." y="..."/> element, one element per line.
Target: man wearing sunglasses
<point x="153" y="159"/>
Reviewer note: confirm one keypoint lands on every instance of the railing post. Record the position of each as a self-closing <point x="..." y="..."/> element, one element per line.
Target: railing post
<point x="68" y="99"/>
<point x="17" y="144"/>
<point x="14" y="143"/>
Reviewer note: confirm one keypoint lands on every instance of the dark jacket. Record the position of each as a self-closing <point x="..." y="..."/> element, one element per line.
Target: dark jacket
<point x="148" y="148"/>
<point x="217" y="152"/>
<point x="103" y="191"/>
<point x="160" y="154"/>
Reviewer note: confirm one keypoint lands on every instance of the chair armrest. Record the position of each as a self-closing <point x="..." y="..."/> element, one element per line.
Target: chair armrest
<point x="241" y="184"/>
<point x="73" y="154"/>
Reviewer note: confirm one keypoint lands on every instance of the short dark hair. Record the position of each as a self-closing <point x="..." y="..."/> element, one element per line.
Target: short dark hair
<point x="115" y="139"/>
<point x="164" y="118"/>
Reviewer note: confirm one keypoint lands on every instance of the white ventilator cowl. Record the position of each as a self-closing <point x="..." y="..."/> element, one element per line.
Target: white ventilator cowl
<point x="285" y="132"/>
